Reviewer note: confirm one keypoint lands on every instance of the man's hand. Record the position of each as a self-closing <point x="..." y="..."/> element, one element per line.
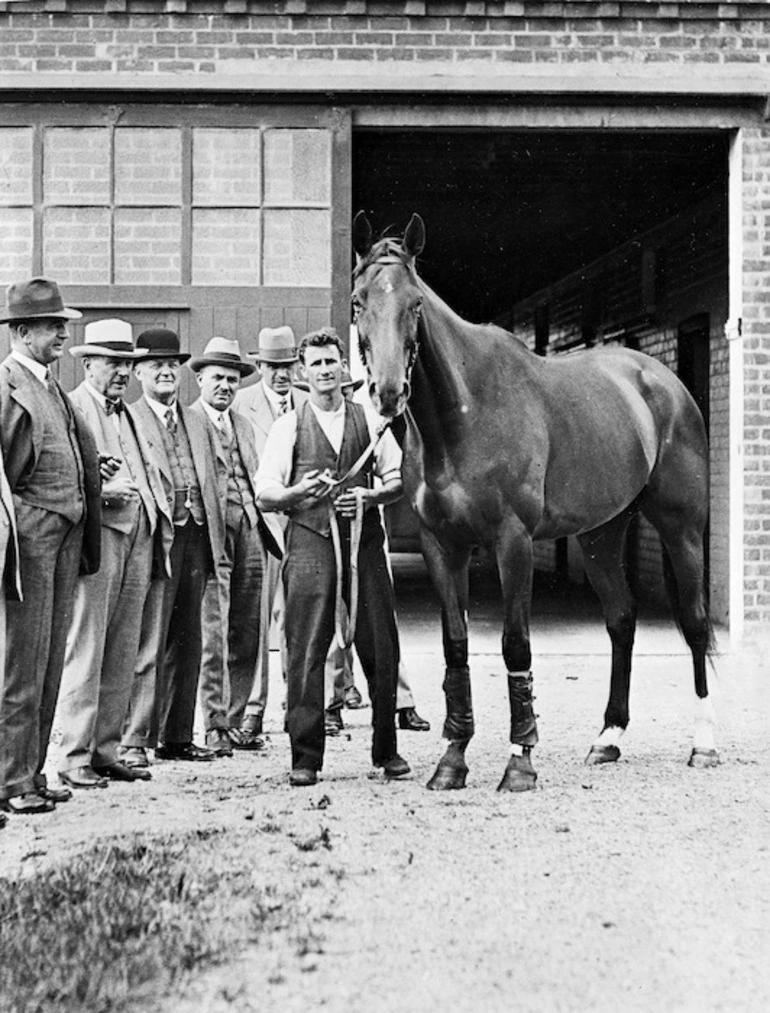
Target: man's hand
<point x="347" y="502"/>
<point x="119" y="491"/>
<point x="312" y="485"/>
<point x="108" y="466"/>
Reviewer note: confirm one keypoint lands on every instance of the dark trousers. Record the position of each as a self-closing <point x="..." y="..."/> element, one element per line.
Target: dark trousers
<point x="180" y="634"/>
<point x="49" y="556"/>
<point x="309" y="577"/>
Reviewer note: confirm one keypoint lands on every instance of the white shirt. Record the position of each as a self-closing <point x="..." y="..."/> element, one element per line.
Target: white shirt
<point x="161" y="409"/>
<point x="275" y="400"/>
<point x="36" y="368"/>
<point x="221" y="420"/>
<point x="277" y="461"/>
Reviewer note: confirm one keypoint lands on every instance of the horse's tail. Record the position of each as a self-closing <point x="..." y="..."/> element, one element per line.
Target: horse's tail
<point x="683" y="622"/>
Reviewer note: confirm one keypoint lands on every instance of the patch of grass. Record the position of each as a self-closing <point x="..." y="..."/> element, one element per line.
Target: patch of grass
<point x="130" y="919"/>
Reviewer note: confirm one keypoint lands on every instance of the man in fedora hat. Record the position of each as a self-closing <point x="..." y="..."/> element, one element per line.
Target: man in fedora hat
<point x="231" y="606"/>
<point x="103" y="639"/>
<point x="162" y="709"/>
<point x="262" y="403"/>
<point x="53" y="471"/>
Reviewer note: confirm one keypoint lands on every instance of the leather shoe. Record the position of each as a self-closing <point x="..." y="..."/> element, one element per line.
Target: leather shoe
<point x="409" y="720"/>
<point x="333" y="724"/>
<point x="301" y="777"/>
<point x="241" y="738"/>
<point x="133" y="756"/>
<point x="396" y="767"/>
<point x="252" y="724"/>
<point x="27" y="804"/>
<point x="182" y="751"/>
<point x="82" y="777"/>
<point x="353" y="699"/>
<point x="118" y="771"/>
<point x="218" y="741"/>
<point x="55" y="794"/>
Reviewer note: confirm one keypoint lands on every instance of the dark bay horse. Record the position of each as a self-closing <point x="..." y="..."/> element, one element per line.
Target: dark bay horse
<point x="504" y="447"/>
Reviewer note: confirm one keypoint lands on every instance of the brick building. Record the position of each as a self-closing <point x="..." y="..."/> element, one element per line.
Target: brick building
<point x="197" y="163"/>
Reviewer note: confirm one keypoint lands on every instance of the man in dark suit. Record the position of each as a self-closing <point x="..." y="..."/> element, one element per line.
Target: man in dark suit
<point x="262" y="403"/>
<point x="53" y="471"/>
<point x="231" y="606"/>
<point x="103" y="640"/>
<point x="162" y="709"/>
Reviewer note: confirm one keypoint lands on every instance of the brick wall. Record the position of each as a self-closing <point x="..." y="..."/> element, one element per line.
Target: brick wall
<point x="236" y="35"/>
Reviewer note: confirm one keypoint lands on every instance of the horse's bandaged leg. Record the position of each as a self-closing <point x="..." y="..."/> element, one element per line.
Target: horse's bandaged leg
<point x="459" y="707"/>
<point x="703" y="738"/>
<point x="523" y="723"/>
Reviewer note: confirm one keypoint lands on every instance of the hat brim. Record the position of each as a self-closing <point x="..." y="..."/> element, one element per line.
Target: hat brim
<point x="151" y="353"/>
<point x="283" y="361"/>
<point x="63" y="314"/>
<point x="244" y="368"/>
<point x="83" y="351"/>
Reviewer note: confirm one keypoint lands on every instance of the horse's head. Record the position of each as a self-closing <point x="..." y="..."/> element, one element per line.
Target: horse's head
<point x="387" y="302"/>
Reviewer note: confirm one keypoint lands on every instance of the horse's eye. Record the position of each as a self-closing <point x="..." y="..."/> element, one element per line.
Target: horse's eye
<point x="417" y="308"/>
<point x="357" y="305"/>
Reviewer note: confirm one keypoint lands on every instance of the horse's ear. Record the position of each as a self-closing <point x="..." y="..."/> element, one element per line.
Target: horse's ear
<point x="363" y="239"/>
<point x="414" y="236"/>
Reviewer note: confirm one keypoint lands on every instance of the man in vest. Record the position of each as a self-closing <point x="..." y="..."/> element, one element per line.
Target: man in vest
<point x="103" y="639"/>
<point x="53" y="471"/>
<point x="304" y="452"/>
<point x="262" y="403"/>
<point x="162" y="709"/>
<point x="231" y="605"/>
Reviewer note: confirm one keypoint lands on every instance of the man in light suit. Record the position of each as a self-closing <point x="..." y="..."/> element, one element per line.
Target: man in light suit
<point x="103" y="640"/>
<point x="9" y="566"/>
<point x="162" y="709"/>
<point x="53" y="471"/>
<point x="262" y="403"/>
<point x="231" y="605"/>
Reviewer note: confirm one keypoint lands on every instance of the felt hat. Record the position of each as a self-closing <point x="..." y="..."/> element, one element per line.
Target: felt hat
<point x="276" y="346"/>
<point x="39" y="297"/>
<point x="113" y="338"/>
<point x="222" y="352"/>
<point x="160" y="343"/>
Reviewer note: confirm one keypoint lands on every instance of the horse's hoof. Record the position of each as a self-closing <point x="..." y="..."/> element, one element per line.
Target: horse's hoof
<point x="448" y="777"/>
<point x="602" y="754"/>
<point x="702" y="759"/>
<point x="519" y="775"/>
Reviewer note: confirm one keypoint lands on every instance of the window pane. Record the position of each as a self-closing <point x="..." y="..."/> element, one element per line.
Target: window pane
<point x="15" y="165"/>
<point x="148" y="165"/>
<point x="16" y="247"/>
<point x="297" y="167"/>
<point x="226" y="168"/>
<point x="76" y="245"/>
<point x="147" y="246"/>
<point x="297" y="248"/>
<point x="76" y="165"/>
<point x="225" y="248"/>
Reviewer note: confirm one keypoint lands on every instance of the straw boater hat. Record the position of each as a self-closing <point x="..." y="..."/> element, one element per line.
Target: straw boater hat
<point x="160" y="343"/>
<point x="108" y="337"/>
<point x="39" y="297"/>
<point x="223" y="352"/>
<point x="276" y="346"/>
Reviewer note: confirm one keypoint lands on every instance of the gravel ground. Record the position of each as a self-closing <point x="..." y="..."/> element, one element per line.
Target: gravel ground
<point x="640" y="886"/>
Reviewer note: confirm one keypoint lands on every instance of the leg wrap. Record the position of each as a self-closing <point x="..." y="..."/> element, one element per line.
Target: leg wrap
<point x="459" y="708"/>
<point x="523" y="723"/>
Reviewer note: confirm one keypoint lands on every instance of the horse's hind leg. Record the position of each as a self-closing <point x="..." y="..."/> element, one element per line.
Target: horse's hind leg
<point x="604" y="559"/>
<point x="682" y="535"/>
<point x="448" y="568"/>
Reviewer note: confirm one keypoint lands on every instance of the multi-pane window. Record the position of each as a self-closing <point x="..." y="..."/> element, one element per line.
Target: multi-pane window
<point x="136" y="205"/>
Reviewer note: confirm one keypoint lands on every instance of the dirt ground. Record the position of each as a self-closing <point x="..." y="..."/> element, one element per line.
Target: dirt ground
<point x="640" y="886"/>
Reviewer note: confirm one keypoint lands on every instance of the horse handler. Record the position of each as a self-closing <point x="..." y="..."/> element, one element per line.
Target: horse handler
<point x="316" y="469"/>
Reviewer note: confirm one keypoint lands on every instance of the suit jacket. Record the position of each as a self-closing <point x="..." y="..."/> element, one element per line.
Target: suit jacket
<point x="270" y="533"/>
<point x="204" y="462"/>
<point x="11" y="575"/>
<point x="253" y="404"/>
<point x="87" y="404"/>
<point x="21" y="435"/>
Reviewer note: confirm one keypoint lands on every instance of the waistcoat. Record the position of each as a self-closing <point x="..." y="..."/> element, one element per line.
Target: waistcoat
<point x="240" y="498"/>
<point x="124" y="446"/>
<point x="187" y="493"/>
<point x="313" y="450"/>
<point x="56" y="483"/>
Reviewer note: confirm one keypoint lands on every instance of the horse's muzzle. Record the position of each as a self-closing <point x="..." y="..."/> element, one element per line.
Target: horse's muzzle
<point x="387" y="402"/>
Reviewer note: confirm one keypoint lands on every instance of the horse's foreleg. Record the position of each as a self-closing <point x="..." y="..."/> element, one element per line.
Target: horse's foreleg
<point x="514" y="562"/>
<point x="603" y="557"/>
<point x="449" y="572"/>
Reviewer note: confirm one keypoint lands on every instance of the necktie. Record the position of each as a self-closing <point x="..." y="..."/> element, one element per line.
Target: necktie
<point x="170" y="421"/>
<point x="113" y="407"/>
<point x="283" y="406"/>
<point x="224" y="424"/>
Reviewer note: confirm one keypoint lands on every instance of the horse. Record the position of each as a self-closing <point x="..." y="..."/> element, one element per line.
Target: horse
<point x="504" y="447"/>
